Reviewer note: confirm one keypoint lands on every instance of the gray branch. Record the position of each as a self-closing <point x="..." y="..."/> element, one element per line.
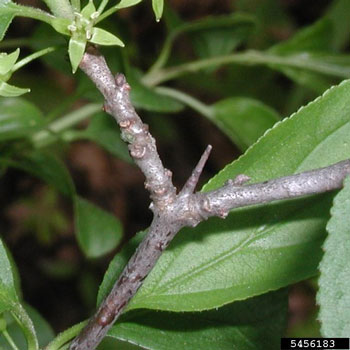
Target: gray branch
<point x="174" y="211"/>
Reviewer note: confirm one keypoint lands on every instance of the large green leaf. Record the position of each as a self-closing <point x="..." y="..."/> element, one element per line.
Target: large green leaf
<point x="260" y="248"/>
<point x="334" y="282"/>
<point x="257" y="323"/>
<point x="98" y="232"/>
<point x="18" y="118"/>
<point x="243" y="119"/>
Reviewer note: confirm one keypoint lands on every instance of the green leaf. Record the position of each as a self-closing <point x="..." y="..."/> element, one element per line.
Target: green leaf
<point x="148" y="99"/>
<point x="117" y="265"/>
<point x="127" y="3"/>
<point x="257" y="323"/>
<point x="104" y="131"/>
<point x="7" y="284"/>
<point x="61" y="8"/>
<point x="9" y="300"/>
<point x="109" y="343"/>
<point x="98" y="232"/>
<point x="42" y="329"/>
<point x="44" y="36"/>
<point x="46" y="167"/>
<point x="18" y="118"/>
<point x="220" y="35"/>
<point x="235" y="326"/>
<point x="88" y="10"/>
<point x="338" y="13"/>
<point x="7" y="61"/>
<point x="158" y="8"/>
<point x="334" y="282"/>
<point x="7" y="90"/>
<point x="76" y="51"/>
<point x="236" y="27"/>
<point x="265" y="247"/>
<point x="243" y="119"/>
<point x="61" y="25"/>
<point x="5" y="19"/>
<point x="316" y="38"/>
<point x="102" y="37"/>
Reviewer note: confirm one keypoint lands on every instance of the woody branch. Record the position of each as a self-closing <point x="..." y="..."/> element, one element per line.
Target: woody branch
<point x="174" y="211"/>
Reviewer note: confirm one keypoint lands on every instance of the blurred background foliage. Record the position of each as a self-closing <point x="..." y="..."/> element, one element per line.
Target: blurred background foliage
<point x="210" y="72"/>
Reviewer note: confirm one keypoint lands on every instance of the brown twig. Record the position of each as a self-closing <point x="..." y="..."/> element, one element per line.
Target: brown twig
<point x="173" y="211"/>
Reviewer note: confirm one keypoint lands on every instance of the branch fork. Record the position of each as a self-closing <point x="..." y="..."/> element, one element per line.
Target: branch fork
<point x="174" y="211"/>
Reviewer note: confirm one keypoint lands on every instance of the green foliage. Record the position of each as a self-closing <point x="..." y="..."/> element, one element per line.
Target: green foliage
<point x="158" y="8"/>
<point x="235" y="326"/>
<point x="179" y="282"/>
<point x="18" y="118"/>
<point x="231" y="270"/>
<point x="104" y="131"/>
<point x="9" y="301"/>
<point x="42" y="329"/>
<point x="127" y="3"/>
<point x="8" y="66"/>
<point x="244" y="120"/>
<point x="91" y="224"/>
<point x="216" y="328"/>
<point x="334" y="282"/>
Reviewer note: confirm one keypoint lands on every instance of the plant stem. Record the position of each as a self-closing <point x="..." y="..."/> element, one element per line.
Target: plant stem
<point x="44" y="137"/>
<point x="14" y="43"/>
<point x="106" y="14"/>
<point x="157" y="77"/>
<point x="102" y="6"/>
<point x="60" y="8"/>
<point x="31" y="12"/>
<point x="64" y="337"/>
<point x="173" y="211"/>
<point x="32" y="57"/>
<point x="10" y="340"/>
<point x="188" y="100"/>
<point x="23" y="320"/>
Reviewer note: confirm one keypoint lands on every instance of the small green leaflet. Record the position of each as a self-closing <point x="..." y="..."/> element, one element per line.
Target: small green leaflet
<point x="7" y="90"/>
<point x="158" y="8"/>
<point x="127" y="3"/>
<point x="7" y="61"/>
<point x="76" y="51"/>
<point x="102" y="37"/>
<point x="98" y="232"/>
